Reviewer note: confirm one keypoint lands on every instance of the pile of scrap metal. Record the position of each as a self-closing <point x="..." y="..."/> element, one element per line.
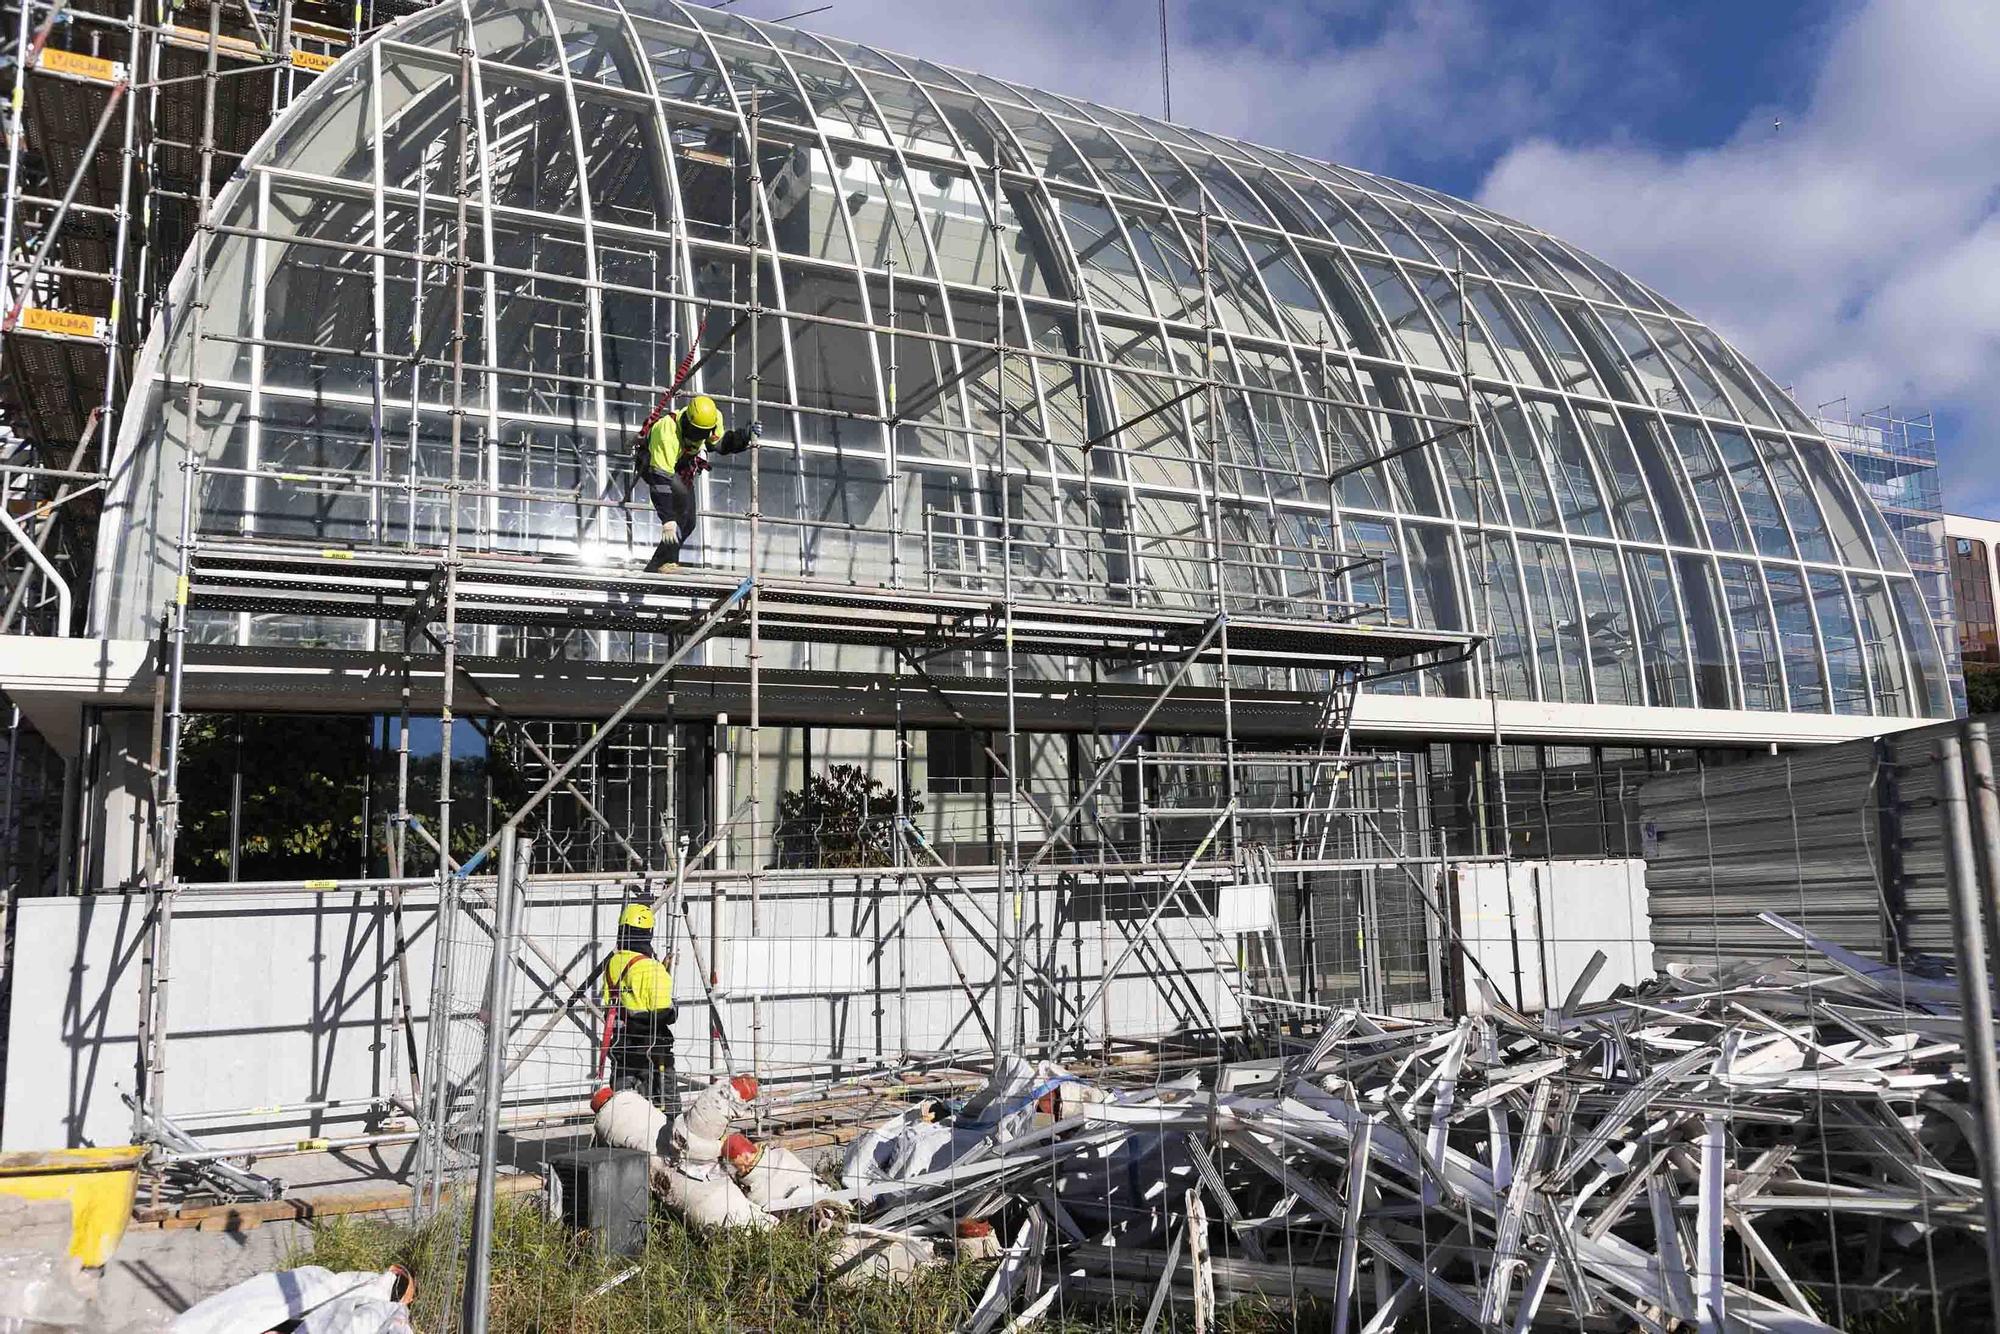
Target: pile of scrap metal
<point x="1758" y="1148"/>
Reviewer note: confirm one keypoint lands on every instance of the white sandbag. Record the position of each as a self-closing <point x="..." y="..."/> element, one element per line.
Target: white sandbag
<point x="780" y="1180"/>
<point x="860" y="1258"/>
<point x="628" y="1121"/>
<point x="703" y="1124"/>
<point x="707" y="1196"/>
<point x="324" y="1302"/>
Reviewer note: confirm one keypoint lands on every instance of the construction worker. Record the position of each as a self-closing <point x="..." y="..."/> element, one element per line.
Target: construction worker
<point x="676" y="455"/>
<point x="639" y="994"/>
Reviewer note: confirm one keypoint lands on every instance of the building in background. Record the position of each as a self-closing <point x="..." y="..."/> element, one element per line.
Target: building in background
<point x="1973" y="548"/>
<point x="1895" y="459"/>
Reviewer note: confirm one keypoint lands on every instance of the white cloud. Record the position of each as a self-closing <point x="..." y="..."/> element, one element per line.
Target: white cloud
<point x="1414" y="83"/>
<point x="1854" y="251"/>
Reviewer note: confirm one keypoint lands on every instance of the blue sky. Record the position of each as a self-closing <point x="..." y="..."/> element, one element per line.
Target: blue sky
<point x="1851" y="249"/>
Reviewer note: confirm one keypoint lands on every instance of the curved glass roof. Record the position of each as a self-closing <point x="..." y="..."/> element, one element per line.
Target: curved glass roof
<point x="968" y="284"/>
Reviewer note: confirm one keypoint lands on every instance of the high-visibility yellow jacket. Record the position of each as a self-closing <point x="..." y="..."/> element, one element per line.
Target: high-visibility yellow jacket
<point x="664" y="450"/>
<point x="637" y="984"/>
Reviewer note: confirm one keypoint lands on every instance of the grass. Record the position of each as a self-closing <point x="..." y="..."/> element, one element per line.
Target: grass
<point x="692" y="1281"/>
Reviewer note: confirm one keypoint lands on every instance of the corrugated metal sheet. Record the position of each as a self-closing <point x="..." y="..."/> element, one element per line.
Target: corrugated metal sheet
<point x="1821" y="836"/>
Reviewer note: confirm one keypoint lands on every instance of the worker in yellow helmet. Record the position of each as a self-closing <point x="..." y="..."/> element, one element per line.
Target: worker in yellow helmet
<point x="639" y="1005"/>
<point x="676" y="455"/>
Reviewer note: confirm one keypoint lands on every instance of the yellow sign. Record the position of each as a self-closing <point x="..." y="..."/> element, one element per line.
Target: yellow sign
<point x="81" y="66"/>
<point x="64" y="323"/>
<point x="312" y="60"/>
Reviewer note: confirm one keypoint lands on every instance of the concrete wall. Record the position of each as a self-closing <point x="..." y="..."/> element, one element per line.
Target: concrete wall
<point x="278" y="999"/>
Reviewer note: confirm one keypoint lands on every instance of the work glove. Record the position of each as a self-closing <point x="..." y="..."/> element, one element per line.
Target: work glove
<point x="756" y="430"/>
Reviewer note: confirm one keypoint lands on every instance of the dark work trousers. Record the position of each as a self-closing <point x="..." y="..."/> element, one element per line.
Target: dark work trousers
<point x="642" y="1059"/>
<point x="675" y="501"/>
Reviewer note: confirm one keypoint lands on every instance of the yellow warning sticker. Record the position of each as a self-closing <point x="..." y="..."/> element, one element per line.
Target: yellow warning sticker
<point x="181" y="591"/>
<point x="334" y="553"/>
<point x="78" y="66"/>
<point x="322" y="884"/>
<point x="63" y="323"/>
<point x="312" y="60"/>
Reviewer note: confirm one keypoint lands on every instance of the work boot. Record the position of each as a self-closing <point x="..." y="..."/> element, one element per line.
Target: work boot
<point x="667" y="555"/>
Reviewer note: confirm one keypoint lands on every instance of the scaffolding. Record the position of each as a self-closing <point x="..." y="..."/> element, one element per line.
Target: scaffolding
<point x="124" y="118"/>
<point x="1013" y="602"/>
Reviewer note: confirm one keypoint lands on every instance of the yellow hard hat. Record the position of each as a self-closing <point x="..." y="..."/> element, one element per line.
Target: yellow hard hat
<point x="703" y="415"/>
<point x="637" y="914"/>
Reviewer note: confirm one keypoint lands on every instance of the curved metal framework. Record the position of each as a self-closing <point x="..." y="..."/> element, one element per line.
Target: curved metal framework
<point x="1007" y="339"/>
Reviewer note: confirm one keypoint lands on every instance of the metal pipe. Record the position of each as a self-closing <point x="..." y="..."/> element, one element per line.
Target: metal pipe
<point x="499" y="988"/>
<point x="756" y="651"/>
<point x="64" y="606"/>
<point x="1974" y="989"/>
<point x="1985" y="819"/>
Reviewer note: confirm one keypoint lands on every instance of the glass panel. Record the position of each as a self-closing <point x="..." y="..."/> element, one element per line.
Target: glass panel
<point x="1807" y="525"/>
<point x="1581" y="278"/>
<point x="1110" y="160"/>
<point x="1464" y="457"/>
<point x="1572" y="367"/>
<point x="1336" y="217"/>
<point x="1163" y="259"/>
<point x="1614" y="655"/>
<point x="1514" y="345"/>
<point x="833" y="364"/>
<point x="1399" y="306"/>
<point x="1797" y="637"/>
<point x="1849" y="679"/>
<point x="1701" y="599"/>
<point x="1299" y="306"/>
<point x="1662" y="477"/>
<point x="954" y="213"/>
<point x="1836" y="502"/>
<point x="1558" y="629"/>
<point x="1655" y="380"/>
<point x="1110" y="274"/>
<point x="911" y="118"/>
<point x="1753" y="489"/>
<point x="1629" y="503"/>
<point x="1925" y="664"/>
<point x="876" y="197"/>
<point x="1506" y="622"/>
<point x="1695" y="379"/>
<point x="1756" y="644"/>
<point x="1569" y="464"/>
<point x="1742" y="389"/>
<point x="1521" y="477"/>
<point x="1434" y="596"/>
<point x="1780" y="400"/>
<point x="1884" y="649"/>
<point x="1439" y="292"/>
<point x="1711" y="488"/>
<point x="1384" y="585"/>
<point x="1668" y="682"/>
<point x="1391" y="233"/>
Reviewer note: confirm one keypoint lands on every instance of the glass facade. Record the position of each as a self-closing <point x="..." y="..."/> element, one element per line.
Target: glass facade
<point x="983" y="314"/>
<point x="1894" y="461"/>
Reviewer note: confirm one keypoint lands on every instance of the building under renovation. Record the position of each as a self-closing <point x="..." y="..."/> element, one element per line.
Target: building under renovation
<point x="1166" y="561"/>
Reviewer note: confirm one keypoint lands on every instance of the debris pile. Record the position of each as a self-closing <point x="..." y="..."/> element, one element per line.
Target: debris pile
<point x="1745" y="1147"/>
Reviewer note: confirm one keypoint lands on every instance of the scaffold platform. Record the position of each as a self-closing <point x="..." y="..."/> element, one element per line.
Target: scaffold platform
<point x="392" y="585"/>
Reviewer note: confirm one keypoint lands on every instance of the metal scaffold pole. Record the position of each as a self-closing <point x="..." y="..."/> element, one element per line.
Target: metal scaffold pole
<point x="429" y="1196"/>
<point x="756" y="653"/>
<point x="1010" y="883"/>
<point x="509" y="888"/>
<point x="156" y="972"/>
